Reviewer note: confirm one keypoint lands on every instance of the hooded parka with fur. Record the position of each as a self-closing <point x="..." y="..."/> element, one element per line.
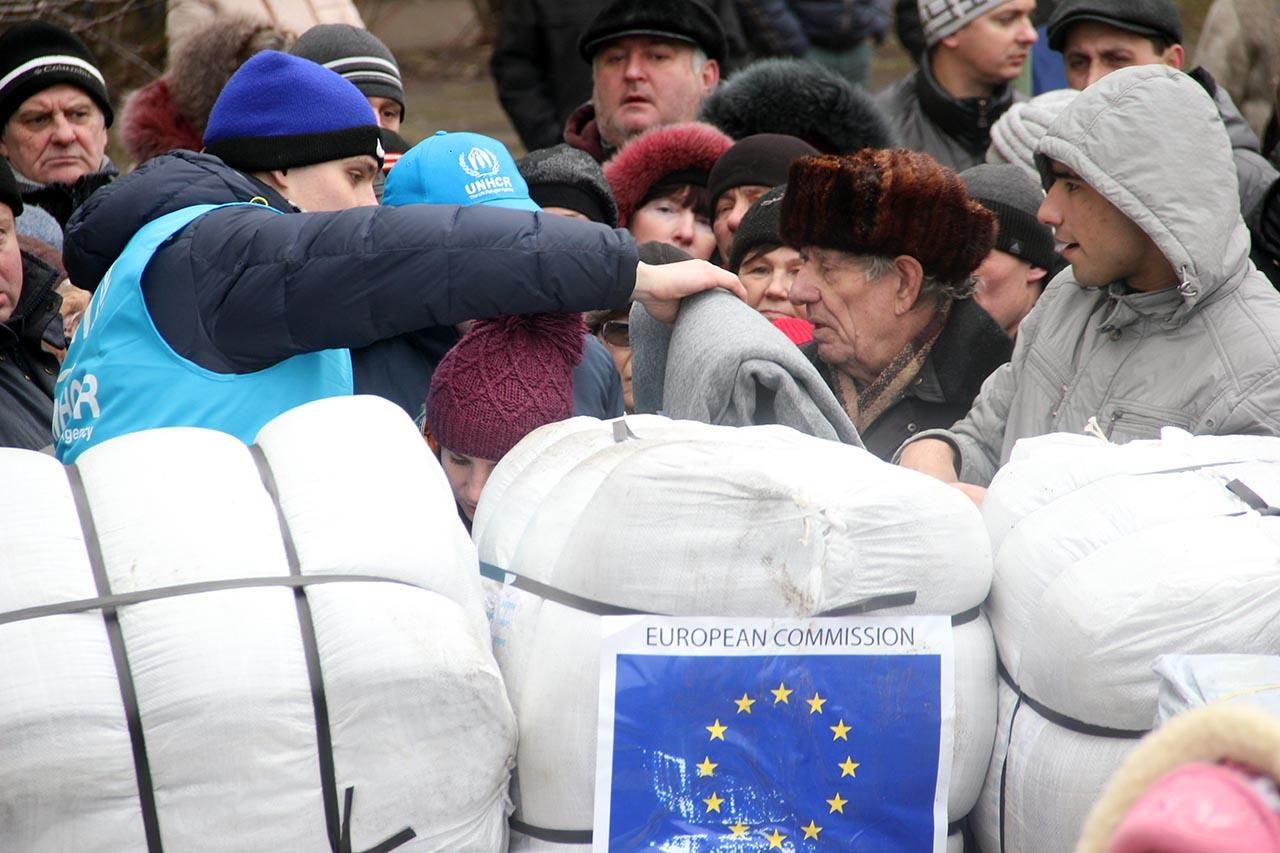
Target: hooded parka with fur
<point x="1203" y="355"/>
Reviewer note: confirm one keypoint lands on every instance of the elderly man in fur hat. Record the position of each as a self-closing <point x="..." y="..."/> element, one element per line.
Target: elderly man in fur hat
<point x="889" y="241"/>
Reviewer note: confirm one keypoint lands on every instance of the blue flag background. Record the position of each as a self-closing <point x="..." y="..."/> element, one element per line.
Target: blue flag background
<point x="712" y="753"/>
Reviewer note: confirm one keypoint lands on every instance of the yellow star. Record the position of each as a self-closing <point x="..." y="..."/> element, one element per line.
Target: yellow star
<point x="717" y="730"/>
<point x="775" y="840"/>
<point x="780" y="695"/>
<point x="739" y="830"/>
<point x="713" y="802"/>
<point x="837" y="803"/>
<point x="812" y="830"/>
<point x="708" y="767"/>
<point x="815" y="704"/>
<point x="841" y="730"/>
<point x="744" y="704"/>
<point x="847" y="767"/>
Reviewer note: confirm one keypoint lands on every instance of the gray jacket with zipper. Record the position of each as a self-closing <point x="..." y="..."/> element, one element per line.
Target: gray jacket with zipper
<point x="1204" y="355"/>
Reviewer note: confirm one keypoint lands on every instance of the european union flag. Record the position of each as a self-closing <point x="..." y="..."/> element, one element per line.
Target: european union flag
<point x="782" y="752"/>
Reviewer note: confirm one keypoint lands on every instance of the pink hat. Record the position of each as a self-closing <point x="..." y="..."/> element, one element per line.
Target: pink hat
<point x="504" y="379"/>
<point x="670" y="154"/>
<point x="1201" y="808"/>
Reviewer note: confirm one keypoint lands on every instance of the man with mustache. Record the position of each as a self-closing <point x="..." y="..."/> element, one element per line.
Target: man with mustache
<point x="975" y="49"/>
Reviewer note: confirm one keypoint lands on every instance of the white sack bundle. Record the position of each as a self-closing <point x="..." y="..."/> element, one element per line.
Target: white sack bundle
<point x="251" y="690"/>
<point x="683" y="518"/>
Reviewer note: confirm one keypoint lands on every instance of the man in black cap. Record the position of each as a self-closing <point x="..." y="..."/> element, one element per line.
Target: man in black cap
<point x="29" y="320"/>
<point x="54" y="115"/>
<point x="652" y="63"/>
<point x="1096" y="37"/>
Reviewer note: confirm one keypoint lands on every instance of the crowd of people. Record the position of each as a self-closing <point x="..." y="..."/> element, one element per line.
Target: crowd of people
<point x="939" y="269"/>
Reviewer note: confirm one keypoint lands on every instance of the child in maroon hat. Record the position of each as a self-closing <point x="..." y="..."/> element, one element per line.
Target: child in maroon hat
<point x="504" y="379"/>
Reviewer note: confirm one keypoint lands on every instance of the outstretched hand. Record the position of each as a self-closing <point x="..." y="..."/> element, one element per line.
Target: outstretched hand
<point x="661" y="287"/>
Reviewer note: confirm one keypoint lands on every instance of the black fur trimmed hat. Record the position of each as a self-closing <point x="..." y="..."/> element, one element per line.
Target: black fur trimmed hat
<point x="798" y="98"/>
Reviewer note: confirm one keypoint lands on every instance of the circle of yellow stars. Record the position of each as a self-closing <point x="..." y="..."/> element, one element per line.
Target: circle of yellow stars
<point x="781" y="696"/>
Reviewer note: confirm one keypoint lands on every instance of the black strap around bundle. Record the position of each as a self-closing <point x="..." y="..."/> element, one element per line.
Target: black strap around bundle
<point x="338" y="823"/>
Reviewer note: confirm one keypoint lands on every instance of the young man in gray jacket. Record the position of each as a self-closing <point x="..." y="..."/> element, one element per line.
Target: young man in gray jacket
<point x="1161" y="318"/>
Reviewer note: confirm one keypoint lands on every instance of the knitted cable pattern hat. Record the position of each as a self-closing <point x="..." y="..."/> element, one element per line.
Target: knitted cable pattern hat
<point x="35" y="55"/>
<point x="1014" y="197"/>
<point x="564" y="176"/>
<point x="278" y="111"/>
<point x="888" y="203"/>
<point x="676" y="154"/>
<point x="504" y="379"/>
<point x="1019" y="128"/>
<point x="941" y="18"/>
<point x="356" y="54"/>
<point x="761" y="160"/>
<point x="798" y="98"/>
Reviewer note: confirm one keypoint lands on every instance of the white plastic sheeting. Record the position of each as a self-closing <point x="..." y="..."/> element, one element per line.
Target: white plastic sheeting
<point x="1106" y="557"/>
<point x="422" y="733"/>
<point x="684" y="518"/>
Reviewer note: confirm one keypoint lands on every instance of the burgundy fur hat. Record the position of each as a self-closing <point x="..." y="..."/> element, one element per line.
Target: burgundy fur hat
<point x="682" y="152"/>
<point x="888" y="202"/>
<point x="171" y="112"/>
<point x="504" y="379"/>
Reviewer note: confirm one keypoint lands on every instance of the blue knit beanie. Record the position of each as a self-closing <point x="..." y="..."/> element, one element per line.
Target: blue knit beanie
<point x="279" y="111"/>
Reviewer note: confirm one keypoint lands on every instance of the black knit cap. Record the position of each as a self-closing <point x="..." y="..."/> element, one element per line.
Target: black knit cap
<point x="563" y="176"/>
<point x="761" y="226"/>
<point x="35" y="55"/>
<point x="761" y="161"/>
<point x="680" y="20"/>
<point x="1014" y="198"/>
<point x="10" y="197"/>
<point x="1157" y="18"/>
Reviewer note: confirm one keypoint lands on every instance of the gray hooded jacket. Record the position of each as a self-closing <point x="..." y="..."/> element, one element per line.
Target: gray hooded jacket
<point x="1204" y="355"/>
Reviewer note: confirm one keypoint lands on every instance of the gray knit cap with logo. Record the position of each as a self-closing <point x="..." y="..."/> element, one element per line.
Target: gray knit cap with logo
<point x="357" y="55"/>
<point x="941" y="18"/>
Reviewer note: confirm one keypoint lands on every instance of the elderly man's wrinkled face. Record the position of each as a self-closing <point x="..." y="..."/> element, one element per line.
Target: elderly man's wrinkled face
<point x="857" y="320"/>
<point x="10" y="264"/>
<point x="641" y="82"/>
<point x="56" y="135"/>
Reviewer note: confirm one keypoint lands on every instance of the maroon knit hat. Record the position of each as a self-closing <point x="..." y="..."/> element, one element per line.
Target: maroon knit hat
<point x="888" y="203"/>
<point x="675" y="153"/>
<point x="504" y="379"/>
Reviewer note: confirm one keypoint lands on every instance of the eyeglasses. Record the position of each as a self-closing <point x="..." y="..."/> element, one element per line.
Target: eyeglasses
<point x="616" y="333"/>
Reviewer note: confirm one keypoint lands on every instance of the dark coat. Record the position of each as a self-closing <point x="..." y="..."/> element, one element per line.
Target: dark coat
<point x="27" y="370"/>
<point x="791" y="27"/>
<point x="541" y="78"/>
<point x="970" y="347"/>
<point x="243" y="288"/>
<point x="61" y="200"/>
<point x="954" y="131"/>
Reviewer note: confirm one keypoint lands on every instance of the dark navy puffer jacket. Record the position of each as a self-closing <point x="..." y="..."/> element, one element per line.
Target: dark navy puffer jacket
<point x="243" y="288"/>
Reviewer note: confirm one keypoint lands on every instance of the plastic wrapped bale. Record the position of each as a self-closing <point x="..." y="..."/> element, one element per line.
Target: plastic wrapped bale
<point x="689" y="519"/>
<point x="1107" y="558"/>
<point x="274" y="646"/>
<point x="1190" y="681"/>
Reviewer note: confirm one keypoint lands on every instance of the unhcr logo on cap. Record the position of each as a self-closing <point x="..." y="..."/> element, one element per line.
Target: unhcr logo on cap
<point x="479" y="162"/>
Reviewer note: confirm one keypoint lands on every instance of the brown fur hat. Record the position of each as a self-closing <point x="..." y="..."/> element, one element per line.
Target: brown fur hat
<point x="686" y="151"/>
<point x="171" y="112"/>
<point x="888" y="203"/>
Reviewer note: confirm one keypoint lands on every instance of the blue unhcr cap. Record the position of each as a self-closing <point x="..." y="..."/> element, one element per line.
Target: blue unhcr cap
<point x="457" y="168"/>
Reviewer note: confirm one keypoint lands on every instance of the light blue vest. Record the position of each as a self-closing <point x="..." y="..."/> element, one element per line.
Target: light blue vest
<point x="120" y="376"/>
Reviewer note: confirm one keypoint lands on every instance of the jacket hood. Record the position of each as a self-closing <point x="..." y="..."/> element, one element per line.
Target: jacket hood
<point x="1149" y="139"/>
<point x="100" y="228"/>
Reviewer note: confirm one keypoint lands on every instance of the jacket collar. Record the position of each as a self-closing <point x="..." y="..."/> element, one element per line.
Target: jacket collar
<point x="36" y="316"/>
<point x="967" y="119"/>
